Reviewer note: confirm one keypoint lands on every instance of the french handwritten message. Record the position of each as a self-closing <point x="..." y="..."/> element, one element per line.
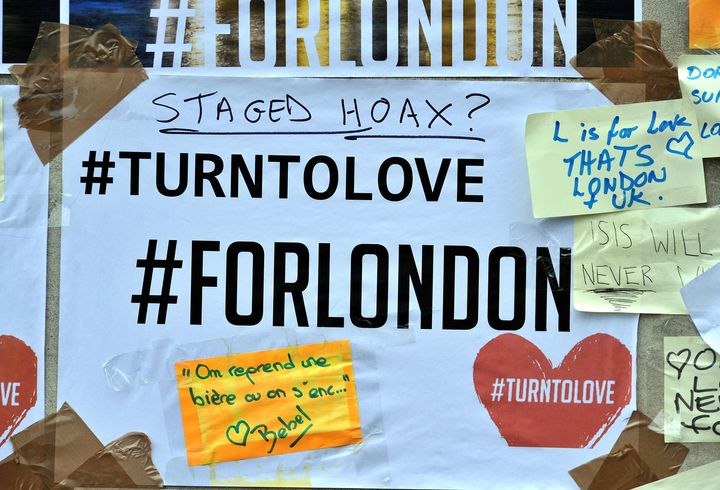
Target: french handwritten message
<point x="606" y="159"/>
<point x="637" y="262"/>
<point x="269" y="402"/>
<point x="700" y="83"/>
<point x="692" y="391"/>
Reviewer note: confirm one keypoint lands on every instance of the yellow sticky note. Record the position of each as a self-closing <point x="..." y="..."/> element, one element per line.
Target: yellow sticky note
<point x="268" y="402"/>
<point x="705" y="476"/>
<point x="692" y="391"/>
<point x="700" y="83"/>
<point x="704" y="24"/>
<point x="636" y="262"/>
<point x="626" y="157"/>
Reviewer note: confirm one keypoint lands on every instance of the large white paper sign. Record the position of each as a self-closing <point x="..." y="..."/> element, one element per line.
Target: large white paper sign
<point x="23" y="250"/>
<point x="244" y="230"/>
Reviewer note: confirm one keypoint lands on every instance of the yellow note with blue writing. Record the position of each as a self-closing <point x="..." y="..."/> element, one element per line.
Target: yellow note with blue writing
<point x="700" y="83"/>
<point x="609" y="159"/>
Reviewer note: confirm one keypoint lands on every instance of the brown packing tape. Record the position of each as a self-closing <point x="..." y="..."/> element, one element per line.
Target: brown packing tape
<point x="14" y="475"/>
<point x="74" y="77"/>
<point x="627" y="63"/>
<point x="638" y="455"/>
<point x="61" y="452"/>
<point x="621" y="470"/>
<point x="125" y="462"/>
<point x="57" y="445"/>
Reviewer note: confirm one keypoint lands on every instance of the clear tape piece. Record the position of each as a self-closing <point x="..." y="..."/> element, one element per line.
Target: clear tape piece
<point x="368" y="458"/>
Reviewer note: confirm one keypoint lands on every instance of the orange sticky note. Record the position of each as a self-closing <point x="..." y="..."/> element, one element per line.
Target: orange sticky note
<point x="704" y="24"/>
<point x="269" y="402"/>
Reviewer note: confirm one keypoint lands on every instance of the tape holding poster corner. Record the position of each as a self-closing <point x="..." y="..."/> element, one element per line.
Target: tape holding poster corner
<point x="126" y="462"/>
<point x="74" y="76"/>
<point x="37" y="446"/>
<point x="61" y="452"/>
<point x="640" y="455"/>
<point x="627" y="63"/>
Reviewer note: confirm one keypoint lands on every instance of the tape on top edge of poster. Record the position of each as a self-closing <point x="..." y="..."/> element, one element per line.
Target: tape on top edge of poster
<point x="627" y="63"/>
<point x="74" y="76"/>
<point x="368" y="457"/>
<point x="639" y="456"/>
<point x="61" y="452"/>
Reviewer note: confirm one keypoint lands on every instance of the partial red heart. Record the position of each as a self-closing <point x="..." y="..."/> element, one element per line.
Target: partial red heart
<point x="535" y="405"/>
<point x="18" y="383"/>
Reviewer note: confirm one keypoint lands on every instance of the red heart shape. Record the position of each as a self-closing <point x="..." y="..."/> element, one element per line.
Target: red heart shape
<point x="18" y="383"/>
<point x="568" y="406"/>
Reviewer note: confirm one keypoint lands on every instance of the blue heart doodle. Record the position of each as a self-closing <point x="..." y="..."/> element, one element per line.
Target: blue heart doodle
<point x="686" y="151"/>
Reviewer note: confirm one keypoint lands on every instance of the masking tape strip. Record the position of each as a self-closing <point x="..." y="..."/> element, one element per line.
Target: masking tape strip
<point x="74" y="76"/>
<point x="639" y="456"/>
<point x="61" y="452"/>
<point x="627" y="63"/>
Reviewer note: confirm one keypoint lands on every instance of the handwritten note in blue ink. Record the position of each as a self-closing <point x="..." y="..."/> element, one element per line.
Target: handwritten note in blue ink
<point x="607" y="159"/>
<point x="700" y="83"/>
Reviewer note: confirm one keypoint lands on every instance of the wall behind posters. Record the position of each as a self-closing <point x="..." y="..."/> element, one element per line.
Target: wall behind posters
<point x="654" y="328"/>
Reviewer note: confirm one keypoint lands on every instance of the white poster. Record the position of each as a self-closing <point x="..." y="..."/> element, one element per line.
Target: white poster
<point x="252" y="230"/>
<point x="358" y="38"/>
<point x="23" y="245"/>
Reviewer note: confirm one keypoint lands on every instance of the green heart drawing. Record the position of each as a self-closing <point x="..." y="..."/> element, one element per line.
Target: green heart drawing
<point x="236" y="428"/>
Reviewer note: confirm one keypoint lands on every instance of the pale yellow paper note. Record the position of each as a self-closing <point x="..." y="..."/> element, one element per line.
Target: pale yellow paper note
<point x="704" y="477"/>
<point x="692" y="391"/>
<point x="636" y="262"/>
<point x="700" y="83"/>
<point x="606" y="159"/>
